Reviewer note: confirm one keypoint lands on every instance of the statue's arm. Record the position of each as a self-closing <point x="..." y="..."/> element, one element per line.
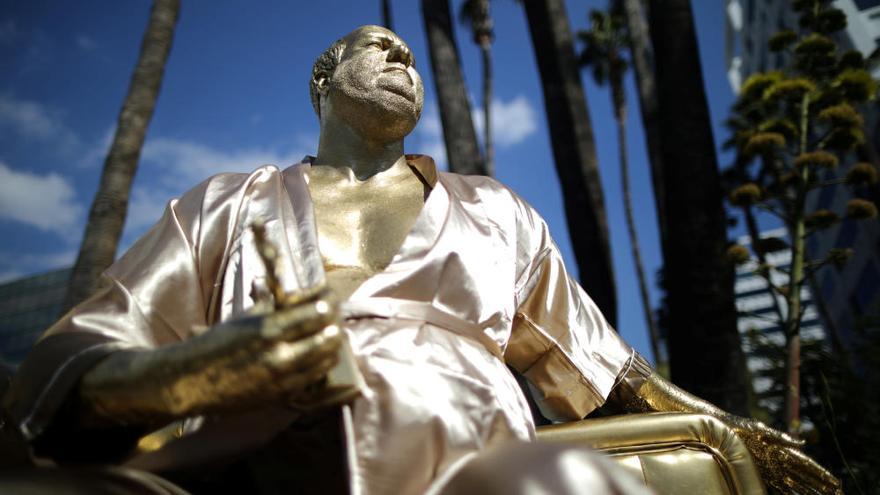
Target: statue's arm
<point x="234" y="366"/>
<point x="778" y="455"/>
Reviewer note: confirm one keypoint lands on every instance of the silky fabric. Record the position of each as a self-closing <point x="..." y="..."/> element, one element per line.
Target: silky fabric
<point x="478" y="259"/>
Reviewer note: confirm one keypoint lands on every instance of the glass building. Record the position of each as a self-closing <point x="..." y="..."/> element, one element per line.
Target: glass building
<point x="29" y="306"/>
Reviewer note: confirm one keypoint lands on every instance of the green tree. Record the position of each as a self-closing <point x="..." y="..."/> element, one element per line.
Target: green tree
<point x="605" y="45"/>
<point x="791" y="130"/>
<point x="459" y="135"/>
<point x="574" y="149"/>
<point x="109" y="207"/>
<point x="475" y="13"/>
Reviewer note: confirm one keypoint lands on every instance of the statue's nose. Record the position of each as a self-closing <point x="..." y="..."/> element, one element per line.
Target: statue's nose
<point x="400" y="53"/>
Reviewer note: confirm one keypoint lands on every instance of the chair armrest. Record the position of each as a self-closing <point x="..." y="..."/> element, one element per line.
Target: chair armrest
<point x="672" y="452"/>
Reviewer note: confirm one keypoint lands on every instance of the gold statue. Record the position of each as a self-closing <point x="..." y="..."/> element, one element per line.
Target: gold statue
<point x="436" y="282"/>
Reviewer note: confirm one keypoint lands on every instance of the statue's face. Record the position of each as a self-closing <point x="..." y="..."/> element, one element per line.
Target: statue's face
<point x="375" y="88"/>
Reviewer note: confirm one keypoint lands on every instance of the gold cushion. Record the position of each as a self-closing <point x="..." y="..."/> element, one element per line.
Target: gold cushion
<point x="672" y="453"/>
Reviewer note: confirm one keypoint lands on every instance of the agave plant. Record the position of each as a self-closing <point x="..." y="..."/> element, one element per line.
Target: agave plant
<point x="792" y="129"/>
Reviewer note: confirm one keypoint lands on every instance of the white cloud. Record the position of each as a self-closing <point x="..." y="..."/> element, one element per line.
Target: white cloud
<point x="174" y="165"/>
<point x="185" y="163"/>
<point x="85" y="43"/>
<point x="97" y="152"/>
<point x="145" y="207"/>
<point x="47" y="202"/>
<point x="28" y="264"/>
<point x="35" y="121"/>
<point x="512" y="121"/>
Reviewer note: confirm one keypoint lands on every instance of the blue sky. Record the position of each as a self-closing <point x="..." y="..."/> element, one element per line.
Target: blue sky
<point x="235" y="96"/>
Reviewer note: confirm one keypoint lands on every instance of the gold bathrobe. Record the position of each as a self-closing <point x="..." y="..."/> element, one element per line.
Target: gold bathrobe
<point x="478" y="284"/>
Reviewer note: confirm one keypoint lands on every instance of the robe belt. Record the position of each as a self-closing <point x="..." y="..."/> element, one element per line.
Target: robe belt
<point x="389" y="307"/>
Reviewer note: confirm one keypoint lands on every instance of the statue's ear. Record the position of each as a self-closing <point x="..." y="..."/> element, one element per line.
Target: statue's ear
<point x="323" y="84"/>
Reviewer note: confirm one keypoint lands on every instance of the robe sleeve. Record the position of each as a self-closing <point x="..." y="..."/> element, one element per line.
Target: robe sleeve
<point x="154" y="295"/>
<point x="560" y="341"/>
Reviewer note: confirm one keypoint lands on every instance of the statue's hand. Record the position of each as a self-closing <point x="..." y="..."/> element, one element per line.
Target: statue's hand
<point x="780" y="460"/>
<point x="266" y="359"/>
<point x="254" y="361"/>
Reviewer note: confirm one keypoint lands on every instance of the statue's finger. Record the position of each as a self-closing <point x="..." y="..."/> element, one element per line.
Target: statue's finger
<point x="286" y="357"/>
<point x="300" y="321"/>
<point x="295" y="383"/>
<point x="809" y="473"/>
<point x="801" y="486"/>
<point x="308" y="294"/>
<point x="779" y="437"/>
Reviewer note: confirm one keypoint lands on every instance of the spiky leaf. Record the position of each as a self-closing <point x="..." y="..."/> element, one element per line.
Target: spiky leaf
<point x="851" y="59"/>
<point x="763" y="143"/>
<point x="844" y="138"/>
<point x="841" y="115"/>
<point x="861" y="173"/>
<point x="821" y="219"/>
<point x="818" y="159"/>
<point x="781" y="40"/>
<point x="861" y="209"/>
<point x="757" y="83"/>
<point x="789" y="89"/>
<point x="745" y="195"/>
<point x="737" y="254"/>
<point x="856" y="84"/>
<point x="814" y="43"/>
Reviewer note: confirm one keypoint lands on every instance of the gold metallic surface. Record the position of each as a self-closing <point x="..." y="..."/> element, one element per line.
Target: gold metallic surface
<point x="344" y="381"/>
<point x="671" y="452"/>
<point x="248" y="362"/>
<point x="427" y="331"/>
<point x="442" y="281"/>
<point x="778" y="456"/>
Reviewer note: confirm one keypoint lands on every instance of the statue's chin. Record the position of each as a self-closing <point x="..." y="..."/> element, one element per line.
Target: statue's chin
<point x="391" y="120"/>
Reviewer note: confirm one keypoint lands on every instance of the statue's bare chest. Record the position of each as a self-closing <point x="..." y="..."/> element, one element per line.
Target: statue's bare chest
<point x="362" y="225"/>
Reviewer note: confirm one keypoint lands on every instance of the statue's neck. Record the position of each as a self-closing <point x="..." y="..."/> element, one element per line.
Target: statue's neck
<point x="342" y="147"/>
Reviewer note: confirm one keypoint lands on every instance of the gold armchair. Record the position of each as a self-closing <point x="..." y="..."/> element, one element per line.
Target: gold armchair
<point x="672" y="453"/>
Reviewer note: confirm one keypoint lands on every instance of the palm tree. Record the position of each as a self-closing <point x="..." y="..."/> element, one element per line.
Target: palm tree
<point x="107" y="214"/>
<point x="475" y="13"/>
<point x="574" y="150"/>
<point x="387" y="21"/>
<point x="604" y="46"/>
<point x="459" y="135"/>
<point x="642" y="54"/>
<point x="701" y="318"/>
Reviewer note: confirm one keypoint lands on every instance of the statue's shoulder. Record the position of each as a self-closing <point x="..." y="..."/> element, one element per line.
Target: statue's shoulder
<point x="483" y="188"/>
<point x="477" y="185"/>
<point x="225" y="185"/>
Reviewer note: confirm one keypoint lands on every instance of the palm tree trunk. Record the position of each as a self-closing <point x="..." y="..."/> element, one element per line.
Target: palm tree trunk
<point x="654" y="333"/>
<point x="643" y="62"/>
<point x="462" y="149"/>
<point x="387" y="21"/>
<point x="702" y="332"/>
<point x="107" y="214"/>
<point x="489" y="147"/>
<point x="574" y="150"/>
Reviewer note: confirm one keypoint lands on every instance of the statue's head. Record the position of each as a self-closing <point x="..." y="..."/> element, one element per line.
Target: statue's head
<point x="368" y="80"/>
